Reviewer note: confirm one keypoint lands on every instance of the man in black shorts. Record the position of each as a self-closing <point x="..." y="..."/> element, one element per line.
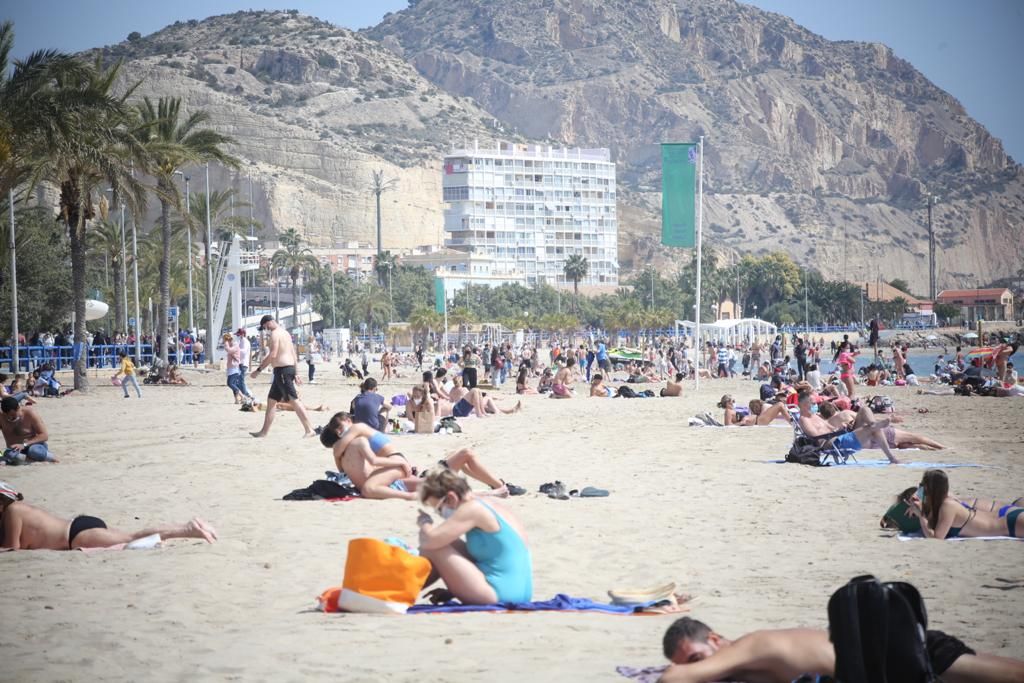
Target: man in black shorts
<point x="280" y="354"/>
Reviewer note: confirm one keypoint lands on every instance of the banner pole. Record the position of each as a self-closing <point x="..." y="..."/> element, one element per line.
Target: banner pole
<point x="697" y="347"/>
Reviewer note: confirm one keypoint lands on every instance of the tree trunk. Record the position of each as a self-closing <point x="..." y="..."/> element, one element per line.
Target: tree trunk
<point x="118" y="296"/>
<point x="76" y="233"/>
<point x="295" y="302"/>
<point x="165" y="279"/>
<point x="576" y="294"/>
<point x="379" y="250"/>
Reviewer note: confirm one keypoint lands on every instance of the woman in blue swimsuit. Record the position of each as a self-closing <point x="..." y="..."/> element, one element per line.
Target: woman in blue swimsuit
<point x="943" y="516"/>
<point x="493" y="564"/>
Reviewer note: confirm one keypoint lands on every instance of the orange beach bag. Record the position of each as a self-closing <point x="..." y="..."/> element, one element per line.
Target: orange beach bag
<point x="379" y="578"/>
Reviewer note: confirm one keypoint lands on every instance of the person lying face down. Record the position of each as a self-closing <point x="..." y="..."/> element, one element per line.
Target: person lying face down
<point x="27" y="527"/>
<point x="699" y="654"/>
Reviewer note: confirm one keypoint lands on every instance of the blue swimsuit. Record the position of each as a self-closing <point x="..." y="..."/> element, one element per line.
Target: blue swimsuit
<point x="504" y="559"/>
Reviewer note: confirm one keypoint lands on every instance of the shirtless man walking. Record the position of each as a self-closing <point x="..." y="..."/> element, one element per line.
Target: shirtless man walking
<point x="24" y="432"/>
<point x="26" y="527"/>
<point x="281" y="354"/>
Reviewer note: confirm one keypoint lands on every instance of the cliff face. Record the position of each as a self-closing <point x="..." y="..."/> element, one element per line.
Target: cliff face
<point x="314" y="109"/>
<point x="823" y="149"/>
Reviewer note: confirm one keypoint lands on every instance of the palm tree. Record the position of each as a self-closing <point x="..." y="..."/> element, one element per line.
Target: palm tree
<point x="576" y="268"/>
<point x="98" y="151"/>
<point x="371" y="304"/>
<point x="35" y="116"/>
<point x="425" y="320"/>
<point x="463" y="318"/>
<point x="174" y="143"/>
<point x="379" y="186"/>
<point x="297" y="260"/>
<point x="383" y="264"/>
<point x="106" y="239"/>
<point x="223" y="225"/>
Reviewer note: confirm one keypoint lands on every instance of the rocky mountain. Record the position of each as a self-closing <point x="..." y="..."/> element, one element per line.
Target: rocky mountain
<point x="314" y="109"/>
<point x="823" y="149"/>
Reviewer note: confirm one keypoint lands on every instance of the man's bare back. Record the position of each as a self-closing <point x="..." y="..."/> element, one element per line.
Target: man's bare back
<point x="36" y="528"/>
<point x="761" y="657"/>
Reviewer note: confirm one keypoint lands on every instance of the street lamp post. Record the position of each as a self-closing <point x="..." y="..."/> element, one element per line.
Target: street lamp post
<point x="188" y="234"/>
<point x="14" y="288"/>
<point x="932" y="199"/>
<point x="210" y="332"/>
<point x="334" y="305"/>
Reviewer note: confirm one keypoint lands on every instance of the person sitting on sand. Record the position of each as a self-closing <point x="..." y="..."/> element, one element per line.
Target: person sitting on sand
<point x="380" y="471"/>
<point x="420" y="409"/>
<point x="943" y="516"/>
<point x="493" y="564"/>
<point x="868" y="436"/>
<point x="545" y="381"/>
<point x="24" y="432"/>
<point x="673" y="387"/>
<point x="896" y="438"/>
<point x="598" y="388"/>
<point x="466" y="402"/>
<point x="761" y="413"/>
<point x="369" y="407"/>
<point x="700" y="655"/>
<point x="20" y="396"/>
<point x="561" y="386"/>
<point x="521" y="378"/>
<point x="27" y="527"/>
<point x="174" y="376"/>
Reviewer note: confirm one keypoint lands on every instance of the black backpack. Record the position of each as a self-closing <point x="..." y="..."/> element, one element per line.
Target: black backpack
<point x="878" y="631"/>
<point x="625" y="392"/>
<point x="806" y="451"/>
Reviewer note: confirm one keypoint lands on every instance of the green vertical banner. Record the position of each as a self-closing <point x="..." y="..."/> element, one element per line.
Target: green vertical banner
<point x="678" y="171"/>
<point x="439" y="297"/>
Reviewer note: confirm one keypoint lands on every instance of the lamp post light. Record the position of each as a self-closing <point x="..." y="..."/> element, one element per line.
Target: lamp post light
<point x="188" y="233"/>
<point x="932" y="200"/>
<point x="334" y="305"/>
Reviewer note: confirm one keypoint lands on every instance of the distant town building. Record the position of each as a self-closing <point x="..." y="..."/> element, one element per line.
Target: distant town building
<point x="980" y="304"/>
<point x="884" y="292"/>
<point x="530" y="207"/>
<point x="459" y="268"/>
<point x="353" y="259"/>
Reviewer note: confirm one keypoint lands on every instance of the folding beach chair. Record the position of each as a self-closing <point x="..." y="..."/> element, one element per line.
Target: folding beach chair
<point x="826" y="446"/>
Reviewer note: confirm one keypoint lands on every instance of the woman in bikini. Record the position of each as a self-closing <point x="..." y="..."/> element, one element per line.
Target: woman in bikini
<point x="521" y="386"/>
<point x="493" y="563"/>
<point x="845" y="361"/>
<point x="943" y="516"/>
<point x="761" y="413"/>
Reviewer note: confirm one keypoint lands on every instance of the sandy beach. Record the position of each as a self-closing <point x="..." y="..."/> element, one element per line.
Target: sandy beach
<point x="760" y="545"/>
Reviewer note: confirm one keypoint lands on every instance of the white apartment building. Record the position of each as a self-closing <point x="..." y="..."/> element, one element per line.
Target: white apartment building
<point x="529" y="207"/>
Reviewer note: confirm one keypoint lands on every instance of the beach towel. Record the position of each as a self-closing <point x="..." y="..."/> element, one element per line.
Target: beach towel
<point x="919" y="537"/>
<point x="886" y="463"/>
<point x="559" y="603"/>
<point x="649" y="674"/>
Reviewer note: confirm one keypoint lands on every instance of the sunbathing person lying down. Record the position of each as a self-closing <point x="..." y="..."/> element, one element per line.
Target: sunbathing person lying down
<point x="26" y="527"/>
<point x="896" y="438"/>
<point x="700" y="654"/>
<point x="380" y="471"/>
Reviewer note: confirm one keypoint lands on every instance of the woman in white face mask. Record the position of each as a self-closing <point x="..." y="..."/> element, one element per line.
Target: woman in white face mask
<point x="493" y="563"/>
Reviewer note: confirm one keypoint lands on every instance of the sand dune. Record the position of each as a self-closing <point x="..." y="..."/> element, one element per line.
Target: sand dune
<point x="761" y="545"/>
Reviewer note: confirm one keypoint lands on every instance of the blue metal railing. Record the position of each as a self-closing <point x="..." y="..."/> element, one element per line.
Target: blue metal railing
<point x="103" y="356"/>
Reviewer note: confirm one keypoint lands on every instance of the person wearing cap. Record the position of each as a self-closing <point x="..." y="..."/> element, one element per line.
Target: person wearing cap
<point x="24" y="432"/>
<point x="27" y="527"/>
<point x="281" y="355"/>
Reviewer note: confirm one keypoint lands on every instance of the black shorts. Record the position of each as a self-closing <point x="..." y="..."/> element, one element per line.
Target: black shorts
<point x="83" y="523"/>
<point x="282" y="389"/>
<point x="605" y="365"/>
<point x="943" y="650"/>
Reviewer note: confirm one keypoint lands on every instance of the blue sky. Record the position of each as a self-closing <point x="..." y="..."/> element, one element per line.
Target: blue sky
<point x="971" y="48"/>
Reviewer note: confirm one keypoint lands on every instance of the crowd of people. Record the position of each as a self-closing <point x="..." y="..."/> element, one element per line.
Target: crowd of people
<point x="477" y="546"/>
